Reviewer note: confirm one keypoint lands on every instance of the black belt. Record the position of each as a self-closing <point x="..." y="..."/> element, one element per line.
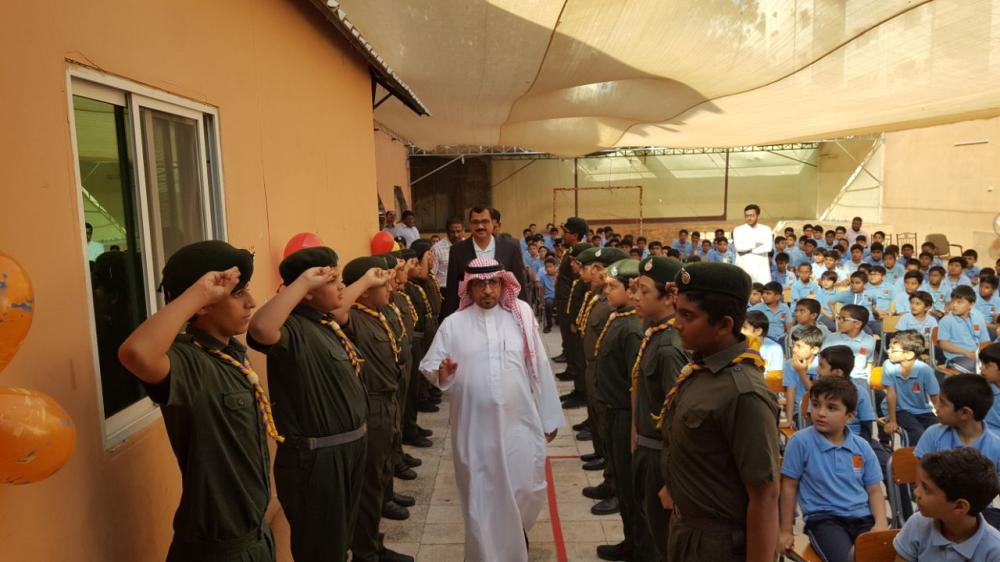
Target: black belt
<point x="313" y="443"/>
<point x="643" y="441"/>
<point x="707" y="524"/>
<point x="183" y="547"/>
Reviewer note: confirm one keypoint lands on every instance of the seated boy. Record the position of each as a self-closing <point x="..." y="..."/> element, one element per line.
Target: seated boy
<point x="919" y="318"/>
<point x="962" y="330"/>
<point x="857" y="258"/>
<point x="838" y="503"/>
<point x="989" y="359"/>
<point x="894" y="270"/>
<point x="781" y="273"/>
<point x="800" y="370"/>
<point x="875" y="254"/>
<point x="756" y="294"/>
<point x="935" y="286"/>
<point x="906" y="251"/>
<point x="755" y="326"/>
<point x="912" y="280"/>
<point x="827" y="290"/>
<point x="962" y="406"/>
<point x="970" y="270"/>
<point x="953" y="489"/>
<point x="988" y="303"/>
<point x="954" y="275"/>
<point x="807" y="313"/>
<point x="804" y="286"/>
<point x="910" y="385"/>
<point x="850" y="332"/>
<point x="856" y="295"/>
<point x="777" y="312"/>
<point x="879" y="292"/>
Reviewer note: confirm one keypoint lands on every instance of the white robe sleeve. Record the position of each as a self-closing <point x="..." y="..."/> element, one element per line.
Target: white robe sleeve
<point x="436" y="354"/>
<point x="743" y="239"/>
<point x="763" y="235"/>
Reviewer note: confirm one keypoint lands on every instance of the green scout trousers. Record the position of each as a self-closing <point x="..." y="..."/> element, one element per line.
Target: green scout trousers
<point x="705" y="541"/>
<point x="383" y="419"/>
<point x="647" y="482"/>
<point x="257" y="546"/>
<point x="619" y="448"/>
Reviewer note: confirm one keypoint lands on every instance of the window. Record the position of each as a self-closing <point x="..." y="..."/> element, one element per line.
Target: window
<point x="149" y="183"/>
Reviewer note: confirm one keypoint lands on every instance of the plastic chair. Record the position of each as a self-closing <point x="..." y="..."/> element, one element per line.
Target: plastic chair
<point x="948" y="371"/>
<point x="901" y="469"/>
<point x="875" y="546"/>
<point x="806" y="555"/>
<point x="787" y="295"/>
<point x="890" y="323"/>
<point x="906" y="238"/>
<point x="942" y="248"/>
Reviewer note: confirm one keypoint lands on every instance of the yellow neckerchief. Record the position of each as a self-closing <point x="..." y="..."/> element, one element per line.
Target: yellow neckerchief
<point x="409" y="304"/>
<point x="423" y="297"/>
<point x="647" y="336"/>
<point x="584" y="317"/>
<point x="399" y="316"/>
<point x="352" y="352"/>
<point x="614" y="316"/>
<point x="385" y="326"/>
<point x="569" y="301"/>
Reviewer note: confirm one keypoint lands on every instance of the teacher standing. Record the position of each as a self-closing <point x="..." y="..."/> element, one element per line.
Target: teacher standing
<point x="753" y="242"/>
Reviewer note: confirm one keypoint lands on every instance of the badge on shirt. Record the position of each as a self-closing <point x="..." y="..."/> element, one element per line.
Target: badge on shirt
<point x="859" y="462"/>
<point x="916" y="388"/>
<point x="782" y="315"/>
<point x="863" y="351"/>
<point x="975" y="327"/>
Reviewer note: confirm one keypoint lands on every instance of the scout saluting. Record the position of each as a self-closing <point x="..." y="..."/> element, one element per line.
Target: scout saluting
<point x="320" y="405"/>
<point x="569" y="280"/>
<point x="661" y="357"/>
<point x="426" y="326"/>
<point x="216" y="412"/>
<point x="721" y="427"/>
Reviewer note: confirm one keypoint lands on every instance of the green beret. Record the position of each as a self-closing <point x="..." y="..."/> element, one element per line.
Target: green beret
<point x="577" y="226"/>
<point x="421" y="247"/>
<point x="721" y="278"/>
<point x="319" y="256"/>
<point x="358" y="267"/>
<point x="578" y="248"/>
<point x="588" y="256"/>
<point x="608" y="256"/>
<point x="187" y="265"/>
<point x="624" y="270"/>
<point x="405" y="254"/>
<point x="389" y="261"/>
<point x="660" y="268"/>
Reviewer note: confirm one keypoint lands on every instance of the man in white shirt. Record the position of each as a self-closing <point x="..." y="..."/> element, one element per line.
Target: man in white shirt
<point x="407" y="230"/>
<point x="753" y="241"/>
<point x="855" y="231"/>
<point x="94" y="248"/>
<point x="455" y="233"/>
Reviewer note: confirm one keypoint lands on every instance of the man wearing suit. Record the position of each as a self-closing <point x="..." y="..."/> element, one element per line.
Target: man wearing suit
<point x="481" y="244"/>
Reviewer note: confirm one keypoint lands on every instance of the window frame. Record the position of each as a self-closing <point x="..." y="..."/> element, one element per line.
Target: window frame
<point x="133" y="96"/>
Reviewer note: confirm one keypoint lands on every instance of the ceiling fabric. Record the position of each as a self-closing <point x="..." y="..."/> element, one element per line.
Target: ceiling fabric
<point x="573" y="77"/>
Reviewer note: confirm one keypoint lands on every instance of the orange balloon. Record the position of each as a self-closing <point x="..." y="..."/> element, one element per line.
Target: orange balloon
<point x="17" y="307"/>
<point x="37" y="436"/>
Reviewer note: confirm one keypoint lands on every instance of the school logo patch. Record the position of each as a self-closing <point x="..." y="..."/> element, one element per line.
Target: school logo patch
<point x="916" y="388"/>
<point x="858" y="461"/>
<point x="975" y="327"/>
<point x="685" y="276"/>
<point x="863" y="351"/>
<point x="782" y="315"/>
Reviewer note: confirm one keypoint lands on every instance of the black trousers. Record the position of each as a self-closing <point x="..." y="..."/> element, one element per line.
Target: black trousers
<point x="383" y="420"/>
<point x="915" y="424"/>
<point x="573" y="349"/>
<point x="319" y="492"/>
<point x="414" y="388"/>
<point x="258" y="548"/>
<point x="597" y="413"/>
<point x="549" y="314"/>
<point x="833" y="537"/>
<point x="619" y="446"/>
<point x="647" y="480"/>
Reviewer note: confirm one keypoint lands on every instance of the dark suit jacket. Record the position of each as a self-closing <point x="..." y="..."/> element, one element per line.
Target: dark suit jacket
<point x="508" y="253"/>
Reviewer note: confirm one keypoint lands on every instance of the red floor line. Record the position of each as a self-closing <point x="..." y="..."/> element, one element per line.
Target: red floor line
<point x="554" y="509"/>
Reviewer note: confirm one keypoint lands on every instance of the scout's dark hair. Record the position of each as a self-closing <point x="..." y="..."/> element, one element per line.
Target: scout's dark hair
<point x="757" y="321"/>
<point x="718" y="306"/>
<point x="773" y="287"/>
<point x="812" y="335"/>
<point x="910" y="340"/>
<point x="964" y="292"/>
<point x="990" y="353"/>
<point x="836" y="388"/>
<point x="924" y="297"/>
<point x="963" y="474"/>
<point x="812" y="305"/>
<point x="968" y="391"/>
<point x="839" y="357"/>
<point x="856" y="312"/>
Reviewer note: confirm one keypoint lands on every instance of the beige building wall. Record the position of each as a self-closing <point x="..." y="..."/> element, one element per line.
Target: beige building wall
<point x="391" y="169"/>
<point x="295" y="116"/>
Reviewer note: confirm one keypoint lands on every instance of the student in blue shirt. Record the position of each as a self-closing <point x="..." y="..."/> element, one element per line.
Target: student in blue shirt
<point x="962" y="330"/>
<point x="935" y="286"/>
<point x="912" y="281"/>
<point x="988" y="304"/>
<point x="829" y="240"/>
<point x="910" y="385"/>
<point x="695" y="242"/>
<point x="879" y="292"/>
<point x="875" y="254"/>
<point x="782" y="274"/>
<point x="756" y="295"/>
<point x="796" y="251"/>
<point x="547" y="279"/>
<point x="806" y="313"/>
<point x="705" y="250"/>
<point x="833" y="473"/>
<point x="953" y="490"/>
<point x="894" y="271"/>
<point x="779" y="316"/>
<point x="856" y="295"/>
<point x="850" y="332"/>
<point x="827" y="290"/>
<point x="755" y="327"/>
<point x="722" y="252"/>
<point x="989" y="359"/>
<point x="682" y="244"/>
<point x="954" y="276"/>
<point x="971" y="271"/>
<point x="918" y="318"/>
<point x="549" y="240"/>
<point x="808" y="253"/>
<point x="804" y="287"/>
<point x="799" y="370"/>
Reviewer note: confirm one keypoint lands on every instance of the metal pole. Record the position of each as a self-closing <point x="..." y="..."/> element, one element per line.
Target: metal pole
<point x="438" y="169"/>
<point x="576" y="188"/>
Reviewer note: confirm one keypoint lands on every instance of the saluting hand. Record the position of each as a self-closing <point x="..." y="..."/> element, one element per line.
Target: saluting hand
<point x="447" y="370"/>
<point x="316" y="277"/>
<point x="376" y="277"/>
<point x="215" y="285"/>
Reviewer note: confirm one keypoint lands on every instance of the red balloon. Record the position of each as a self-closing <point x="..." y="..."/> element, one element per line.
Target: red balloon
<point x="382" y="242"/>
<point x="301" y="241"/>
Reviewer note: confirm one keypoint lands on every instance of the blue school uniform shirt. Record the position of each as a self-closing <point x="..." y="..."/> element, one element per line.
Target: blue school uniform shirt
<point x="972" y="272"/>
<point x="913" y="393"/>
<point x="894" y="275"/>
<point x="833" y="479"/>
<point x="863" y="347"/>
<point x="920" y="539"/>
<point x="683" y="247"/>
<point x="880" y="295"/>
<point x="865" y="412"/>
<point x="790" y="378"/>
<point x="773" y="355"/>
<point x="992" y="419"/>
<point x="966" y="333"/>
<point x="948" y="285"/>
<point x="776" y="319"/>
<point x="824" y="296"/>
<point x="797" y="256"/>
<point x="940" y="297"/>
<point x="902" y="300"/>
<point x="940" y="437"/>
<point x="910" y="322"/>
<point x="850" y="297"/>
<point x="534" y="263"/>
<point x="989" y="308"/>
<point x="547" y="242"/>
<point x="802" y="290"/>
<point x="715" y="256"/>
<point x="548" y="284"/>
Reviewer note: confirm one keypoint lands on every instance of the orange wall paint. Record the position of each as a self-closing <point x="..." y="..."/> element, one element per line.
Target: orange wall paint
<point x="296" y="130"/>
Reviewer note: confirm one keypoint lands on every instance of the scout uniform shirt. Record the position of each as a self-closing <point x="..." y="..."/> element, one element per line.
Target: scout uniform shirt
<point x="720" y="435"/>
<point x="218" y="438"/>
<point x="594" y="322"/>
<point x="662" y="360"/>
<point x="426" y="324"/>
<point x="380" y="372"/>
<point x="564" y="282"/>
<point x="616" y="352"/>
<point x="315" y="390"/>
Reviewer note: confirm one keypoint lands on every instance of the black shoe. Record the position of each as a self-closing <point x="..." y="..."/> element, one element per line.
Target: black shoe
<point x="424" y="432"/>
<point x="561" y="358"/>
<point x="584" y="435"/>
<point x="434" y="400"/>
<point x="392" y="556"/>
<point x="585" y="424"/>
<point x="572" y="403"/>
<point x="570" y="395"/>
<point x="566" y="377"/>
<point x="427" y="407"/>
<point x="607" y="507"/>
<point x="590" y="457"/>
<point x="418" y="441"/>
<point x="619" y="552"/>
<point x="394" y="511"/>
<point x="547" y="329"/>
<point x="405" y="473"/>
<point x="602" y="491"/>
<point x="404" y="501"/>
<point x="411" y="461"/>
<point x="599" y="464"/>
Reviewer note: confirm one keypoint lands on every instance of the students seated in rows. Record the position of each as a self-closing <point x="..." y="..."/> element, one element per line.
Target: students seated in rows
<point x="962" y="406"/>
<point x="777" y="312"/>
<point x="935" y="286"/>
<point x="833" y="473"/>
<point x="970" y="257"/>
<point x="755" y="327"/>
<point x="919" y="318"/>
<point x="722" y="252"/>
<point x="962" y="331"/>
<point x="910" y="386"/>
<point x="807" y="313"/>
<point x="850" y="332"/>
<point x="912" y="281"/>
<point x="800" y="370"/>
<point x="804" y="286"/>
<point x="988" y="303"/>
<point x="953" y="489"/>
<point x="682" y="244"/>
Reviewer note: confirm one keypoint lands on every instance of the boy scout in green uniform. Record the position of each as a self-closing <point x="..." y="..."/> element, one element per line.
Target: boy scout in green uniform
<point x="574" y="233"/>
<point x="381" y="372"/>
<point x="424" y="331"/>
<point x="661" y="357"/>
<point x="720" y="427"/>
<point x="320" y="405"/>
<point x="215" y="411"/>
<point x="569" y="279"/>
<point x="403" y="315"/>
<point x="615" y="351"/>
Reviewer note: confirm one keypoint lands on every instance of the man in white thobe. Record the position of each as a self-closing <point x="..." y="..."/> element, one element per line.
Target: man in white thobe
<point x="753" y="241"/>
<point x="504" y="407"/>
